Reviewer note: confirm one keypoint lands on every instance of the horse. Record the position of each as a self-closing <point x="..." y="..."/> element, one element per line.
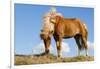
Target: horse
<point x="60" y="28"/>
<point x="47" y="30"/>
<point x="65" y="28"/>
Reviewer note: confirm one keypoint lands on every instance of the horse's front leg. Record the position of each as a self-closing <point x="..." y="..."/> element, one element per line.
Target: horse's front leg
<point x="47" y="45"/>
<point x="58" y="44"/>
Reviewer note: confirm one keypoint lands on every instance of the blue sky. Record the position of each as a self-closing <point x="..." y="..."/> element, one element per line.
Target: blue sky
<point x="28" y="23"/>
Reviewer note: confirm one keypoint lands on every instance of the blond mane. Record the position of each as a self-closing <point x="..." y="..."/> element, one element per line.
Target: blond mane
<point x="47" y="25"/>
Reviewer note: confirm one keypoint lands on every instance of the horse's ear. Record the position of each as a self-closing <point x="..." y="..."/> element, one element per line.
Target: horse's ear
<point x="53" y="20"/>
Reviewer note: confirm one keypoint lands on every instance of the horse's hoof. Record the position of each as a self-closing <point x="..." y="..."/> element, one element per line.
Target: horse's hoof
<point x="47" y="51"/>
<point x="59" y="56"/>
<point x="86" y="55"/>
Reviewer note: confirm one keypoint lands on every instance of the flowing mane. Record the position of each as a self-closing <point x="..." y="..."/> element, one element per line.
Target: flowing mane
<point x="47" y="25"/>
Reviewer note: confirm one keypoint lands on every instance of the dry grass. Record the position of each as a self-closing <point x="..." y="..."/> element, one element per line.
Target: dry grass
<point x="43" y="59"/>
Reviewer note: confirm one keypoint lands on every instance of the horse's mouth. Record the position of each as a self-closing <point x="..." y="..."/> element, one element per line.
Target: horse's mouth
<point x="43" y="36"/>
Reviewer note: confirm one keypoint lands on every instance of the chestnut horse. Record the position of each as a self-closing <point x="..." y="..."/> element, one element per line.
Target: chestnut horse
<point x="65" y="28"/>
<point x="68" y="28"/>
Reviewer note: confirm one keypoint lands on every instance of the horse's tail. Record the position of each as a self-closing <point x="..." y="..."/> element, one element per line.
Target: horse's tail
<point x="84" y="28"/>
<point x="84" y="36"/>
<point x="86" y="31"/>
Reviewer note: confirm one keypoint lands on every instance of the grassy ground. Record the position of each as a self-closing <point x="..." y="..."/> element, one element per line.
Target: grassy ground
<point x="43" y="59"/>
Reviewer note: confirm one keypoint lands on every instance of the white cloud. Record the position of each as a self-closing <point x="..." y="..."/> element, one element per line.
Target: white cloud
<point x="40" y="49"/>
<point x="90" y="45"/>
<point x="65" y="47"/>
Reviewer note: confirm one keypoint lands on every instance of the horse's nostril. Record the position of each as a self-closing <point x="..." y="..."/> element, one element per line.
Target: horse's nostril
<point x="42" y="35"/>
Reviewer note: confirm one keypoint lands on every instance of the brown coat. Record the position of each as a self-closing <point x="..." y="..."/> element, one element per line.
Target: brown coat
<point x="66" y="28"/>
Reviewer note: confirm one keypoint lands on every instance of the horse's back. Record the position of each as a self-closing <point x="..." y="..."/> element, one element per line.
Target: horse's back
<point x="69" y="27"/>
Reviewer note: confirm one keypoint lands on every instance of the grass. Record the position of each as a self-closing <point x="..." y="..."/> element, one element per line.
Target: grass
<point x="43" y="59"/>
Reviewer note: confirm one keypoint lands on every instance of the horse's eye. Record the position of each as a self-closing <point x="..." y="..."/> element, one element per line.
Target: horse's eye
<point x="42" y="30"/>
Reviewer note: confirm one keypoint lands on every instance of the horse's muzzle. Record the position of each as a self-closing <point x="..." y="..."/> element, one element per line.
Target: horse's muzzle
<point x="43" y="36"/>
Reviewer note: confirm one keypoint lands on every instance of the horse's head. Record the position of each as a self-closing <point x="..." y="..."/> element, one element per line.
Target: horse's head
<point x="47" y="29"/>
